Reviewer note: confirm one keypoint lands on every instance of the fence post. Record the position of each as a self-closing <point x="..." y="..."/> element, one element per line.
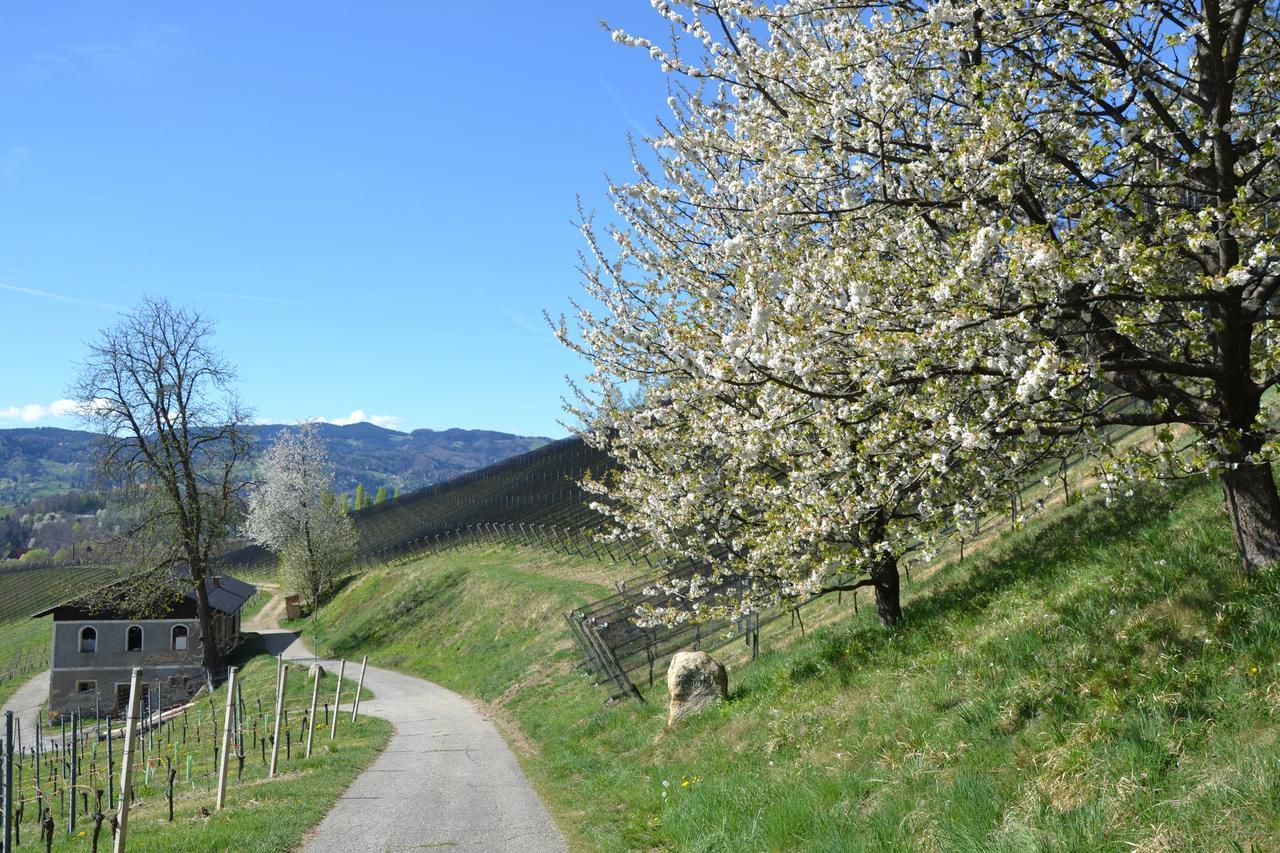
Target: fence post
<point x="337" y="699"/>
<point x="275" y="737"/>
<point x="311" y="716"/>
<point x="111" y="769"/>
<point x="75" y="768"/>
<point x="226" y="738"/>
<point x="126" y="772"/>
<point x="355" y="707"/>
<point x="8" y="780"/>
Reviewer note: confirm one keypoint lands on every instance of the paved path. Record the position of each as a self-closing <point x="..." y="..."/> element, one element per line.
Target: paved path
<point x="446" y="780"/>
<point x="26" y="705"/>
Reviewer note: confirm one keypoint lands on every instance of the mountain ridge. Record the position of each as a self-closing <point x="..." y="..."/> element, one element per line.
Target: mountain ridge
<point x="36" y="461"/>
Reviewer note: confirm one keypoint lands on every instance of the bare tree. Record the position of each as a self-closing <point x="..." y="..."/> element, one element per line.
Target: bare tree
<point x="173" y="435"/>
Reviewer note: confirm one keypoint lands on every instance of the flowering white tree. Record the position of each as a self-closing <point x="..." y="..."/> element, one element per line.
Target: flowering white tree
<point x="293" y="511"/>
<point x="952" y="227"/>
<point x="773" y="443"/>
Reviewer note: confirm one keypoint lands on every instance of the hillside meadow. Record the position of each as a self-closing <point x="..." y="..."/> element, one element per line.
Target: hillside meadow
<point x="1101" y="679"/>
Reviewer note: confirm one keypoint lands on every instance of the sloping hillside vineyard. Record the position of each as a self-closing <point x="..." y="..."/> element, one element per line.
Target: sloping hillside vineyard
<point x="535" y="489"/>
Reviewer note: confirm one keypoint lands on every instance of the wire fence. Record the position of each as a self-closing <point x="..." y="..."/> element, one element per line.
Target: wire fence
<point x="619" y="652"/>
<point x="22" y="664"/>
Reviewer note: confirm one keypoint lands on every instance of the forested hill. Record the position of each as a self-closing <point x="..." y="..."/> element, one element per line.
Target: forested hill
<point x="46" y="460"/>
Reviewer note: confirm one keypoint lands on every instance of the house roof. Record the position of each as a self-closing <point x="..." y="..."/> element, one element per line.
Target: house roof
<point x="226" y="593"/>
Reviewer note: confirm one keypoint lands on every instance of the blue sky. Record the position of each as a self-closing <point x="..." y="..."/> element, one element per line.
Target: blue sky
<point x="374" y="201"/>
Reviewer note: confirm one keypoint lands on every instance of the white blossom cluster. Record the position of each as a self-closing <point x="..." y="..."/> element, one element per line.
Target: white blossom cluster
<point x="293" y="511"/>
<point x="887" y="256"/>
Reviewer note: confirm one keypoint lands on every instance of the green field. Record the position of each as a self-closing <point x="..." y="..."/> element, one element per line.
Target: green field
<point x="1102" y="679"/>
<point x="262" y="814"/>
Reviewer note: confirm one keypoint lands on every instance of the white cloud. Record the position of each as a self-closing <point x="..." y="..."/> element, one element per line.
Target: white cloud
<point x="358" y="417"/>
<point x="35" y="412"/>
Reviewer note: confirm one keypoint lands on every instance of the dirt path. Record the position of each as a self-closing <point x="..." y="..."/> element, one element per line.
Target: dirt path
<point x="446" y="778"/>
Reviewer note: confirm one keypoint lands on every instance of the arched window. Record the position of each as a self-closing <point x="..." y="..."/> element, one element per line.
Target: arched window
<point x="133" y="641"/>
<point x="179" y="638"/>
<point x="88" y="640"/>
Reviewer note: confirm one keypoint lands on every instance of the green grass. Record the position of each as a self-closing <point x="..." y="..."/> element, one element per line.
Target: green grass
<point x="23" y="641"/>
<point x="1103" y="679"/>
<point x="479" y="621"/>
<point x="262" y="814"/>
<point x="254" y="605"/>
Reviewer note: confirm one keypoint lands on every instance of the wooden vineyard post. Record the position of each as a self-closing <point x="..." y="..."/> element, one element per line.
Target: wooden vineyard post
<point x="8" y="781"/>
<point x="226" y="738"/>
<point x="337" y="699"/>
<point x="355" y="706"/>
<point x="311" y="716"/>
<point x="275" y="737"/>
<point x="111" y="769"/>
<point x="75" y="769"/>
<point x="126" y="771"/>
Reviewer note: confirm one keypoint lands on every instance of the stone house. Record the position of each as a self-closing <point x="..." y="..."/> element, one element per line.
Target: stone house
<point x="96" y="645"/>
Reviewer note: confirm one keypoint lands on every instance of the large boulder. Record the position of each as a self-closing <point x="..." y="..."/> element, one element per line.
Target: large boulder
<point x="694" y="680"/>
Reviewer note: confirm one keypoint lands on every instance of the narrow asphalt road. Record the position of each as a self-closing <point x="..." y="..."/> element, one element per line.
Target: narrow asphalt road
<point x="26" y="704"/>
<point x="446" y="780"/>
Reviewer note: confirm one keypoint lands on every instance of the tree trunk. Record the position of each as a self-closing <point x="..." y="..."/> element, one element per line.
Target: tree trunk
<point x="1253" y="505"/>
<point x="885" y="581"/>
<point x="210" y="657"/>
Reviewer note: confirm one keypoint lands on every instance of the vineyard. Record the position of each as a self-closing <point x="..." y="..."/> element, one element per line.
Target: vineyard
<point x="539" y="488"/>
<point x="68" y="784"/>
<point x="26" y="590"/>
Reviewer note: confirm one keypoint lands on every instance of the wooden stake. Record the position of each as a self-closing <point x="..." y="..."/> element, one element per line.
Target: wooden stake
<point x="111" y="769"/>
<point x="75" y="767"/>
<point x="126" y="772"/>
<point x="275" y="738"/>
<point x="311" y="718"/>
<point x="226" y="738"/>
<point x="337" y="699"/>
<point x="355" y="707"/>
<point x="8" y="780"/>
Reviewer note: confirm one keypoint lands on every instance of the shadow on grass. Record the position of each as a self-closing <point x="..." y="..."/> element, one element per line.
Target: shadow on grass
<point x="1034" y="561"/>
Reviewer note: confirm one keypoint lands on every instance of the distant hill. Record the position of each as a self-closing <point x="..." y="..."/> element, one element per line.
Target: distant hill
<point x="47" y="460"/>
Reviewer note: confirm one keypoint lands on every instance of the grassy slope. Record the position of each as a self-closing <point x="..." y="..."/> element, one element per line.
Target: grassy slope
<point x="1101" y="680"/>
<point x="20" y="638"/>
<point x="261" y="814"/>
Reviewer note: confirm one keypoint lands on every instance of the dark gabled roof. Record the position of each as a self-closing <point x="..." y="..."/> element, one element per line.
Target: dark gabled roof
<point x="226" y="593"/>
